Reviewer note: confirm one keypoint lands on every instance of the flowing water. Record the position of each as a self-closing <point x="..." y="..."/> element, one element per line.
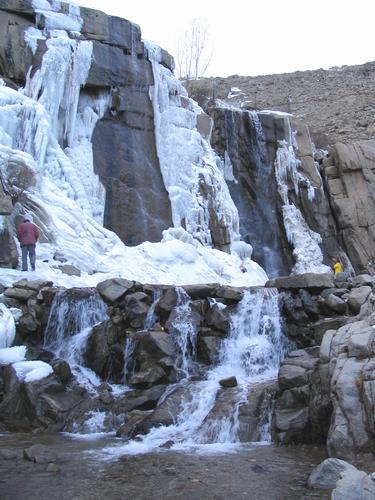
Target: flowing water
<point x="252" y="353"/>
<point x="73" y="315"/>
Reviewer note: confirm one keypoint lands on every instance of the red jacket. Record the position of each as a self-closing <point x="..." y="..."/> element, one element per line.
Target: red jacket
<point x="27" y="233"/>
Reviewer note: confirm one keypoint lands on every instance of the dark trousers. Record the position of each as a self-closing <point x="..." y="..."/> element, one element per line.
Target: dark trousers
<point x="28" y="250"/>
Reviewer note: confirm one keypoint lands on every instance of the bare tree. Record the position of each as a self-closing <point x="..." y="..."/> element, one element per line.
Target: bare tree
<point x="193" y="51"/>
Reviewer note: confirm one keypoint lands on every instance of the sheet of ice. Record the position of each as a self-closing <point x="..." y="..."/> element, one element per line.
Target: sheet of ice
<point x="31" y="371"/>
<point x="31" y="36"/>
<point x="7" y="327"/>
<point x="306" y="250"/>
<point x="189" y="166"/>
<point x="10" y="355"/>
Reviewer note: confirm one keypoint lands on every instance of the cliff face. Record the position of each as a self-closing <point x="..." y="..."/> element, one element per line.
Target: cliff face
<point x="337" y="104"/>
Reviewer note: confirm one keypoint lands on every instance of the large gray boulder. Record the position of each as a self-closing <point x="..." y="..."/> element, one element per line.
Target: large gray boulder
<point x="326" y="474"/>
<point x="308" y="280"/>
<point x="355" y="485"/>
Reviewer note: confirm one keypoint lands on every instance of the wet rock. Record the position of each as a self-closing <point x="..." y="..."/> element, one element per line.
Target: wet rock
<point x="62" y="370"/>
<point x="153" y="345"/>
<point x="133" y="424"/>
<point x="167" y="411"/>
<point x="326" y="474"/>
<point x="136" y="306"/>
<point x="357" y="297"/>
<point x="113" y="289"/>
<point x="53" y="468"/>
<point x="208" y="349"/>
<point x="217" y="317"/>
<point x="167" y="301"/>
<point x="39" y="454"/>
<point x="228" y="382"/>
<point x="34" y="285"/>
<point x="148" y="375"/>
<point x="139" y="399"/>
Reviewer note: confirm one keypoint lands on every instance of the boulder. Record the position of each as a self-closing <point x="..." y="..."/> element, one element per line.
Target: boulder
<point x="167" y="301"/>
<point x="113" y="289"/>
<point x="208" y="349"/>
<point x="39" y="454"/>
<point x="70" y="270"/>
<point x="308" y="280"/>
<point x="336" y="304"/>
<point x="148" y="375"/>
<point x="217" y="317"/>
<point x="201" y="291"/>
<point x="326" y="474"/>
<point x="292" y="376"/>
<point x="357" y="297"/>
<point x="133" y="424"/>
<point x="228" y="382"/>
<point x="230" y="294"/>
<point x="138" y="399"/>
<point x="355" y="485"/>
<point x="363" y="280"/>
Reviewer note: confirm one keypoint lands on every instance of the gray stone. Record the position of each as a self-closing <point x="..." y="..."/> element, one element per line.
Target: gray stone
<point x="291" y="419"/>
<point x="148" y="376"/>
<point x="357" y="297"/>
<point x="308" y="280"/>
<point x="230" y="294"/>
<point x="133" y="424"/>
<point x="39" y="454"/>
<point x="34" y="285"/>
<point x="201" y="291"/>
<point x="20" y="294"/>
<point x="167" y="301"/>
<point x="336" y="304"/>
<point x="113" y="289"/>
<point x="326" y="474"/>
<point x="70" y="270"/>
<point x="354" y="485"/>
<point x="363" y="280"/>
<point x="292" y="376"/>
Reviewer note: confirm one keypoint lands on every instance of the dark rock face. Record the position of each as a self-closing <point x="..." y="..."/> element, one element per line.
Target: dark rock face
<point x="253" y="186"/>
<point x="15" y="56"/>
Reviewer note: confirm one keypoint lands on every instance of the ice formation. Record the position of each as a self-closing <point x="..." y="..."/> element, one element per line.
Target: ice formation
<point x="188" y="164"/>
<point x="31" y="371"/>
<point x="11" y="355"/>
<point x="306" y="250"/>
<point x="7" y="327"/>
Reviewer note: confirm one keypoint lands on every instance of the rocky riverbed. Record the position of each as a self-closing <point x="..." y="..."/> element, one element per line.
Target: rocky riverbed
<point x="70" y="468"/>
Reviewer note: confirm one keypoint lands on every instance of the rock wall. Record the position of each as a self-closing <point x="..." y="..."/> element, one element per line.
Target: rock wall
<point x="336" y="104"/>
<point x="326" y="391"/>
<point x="350" y="176"/>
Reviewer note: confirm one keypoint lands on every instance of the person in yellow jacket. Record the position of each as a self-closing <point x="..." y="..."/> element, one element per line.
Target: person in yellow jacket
<point x="337" y="266"/>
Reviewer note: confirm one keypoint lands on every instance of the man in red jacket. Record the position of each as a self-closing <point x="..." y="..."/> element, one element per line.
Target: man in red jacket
<point x="28" y="234"/>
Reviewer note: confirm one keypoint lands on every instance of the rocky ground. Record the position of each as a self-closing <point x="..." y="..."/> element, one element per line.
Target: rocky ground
<point x="336" y="104"/>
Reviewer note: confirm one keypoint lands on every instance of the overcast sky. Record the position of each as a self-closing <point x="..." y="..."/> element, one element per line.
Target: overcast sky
<point x="262" y="36"/>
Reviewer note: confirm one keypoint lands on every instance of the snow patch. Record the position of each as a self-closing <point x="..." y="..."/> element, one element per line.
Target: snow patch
<point x="7" y="327"/>
<point x="31" y="371"/>
<point x="11" y="355"/>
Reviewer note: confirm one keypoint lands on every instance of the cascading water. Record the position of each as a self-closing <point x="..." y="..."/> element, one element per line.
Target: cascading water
<point x="184" y="333"/>
<point x="72" y="317"/>
<point x="151" y="317"/>
<point x="252" y="353"/>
